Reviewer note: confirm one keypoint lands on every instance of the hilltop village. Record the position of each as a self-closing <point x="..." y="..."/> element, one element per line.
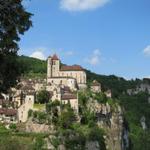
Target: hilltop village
<point x="63" y="83"/>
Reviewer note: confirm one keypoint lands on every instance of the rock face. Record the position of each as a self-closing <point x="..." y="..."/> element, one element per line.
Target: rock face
<point x="111" y="120"/>
<point x="141" y="88"/>
<point x="114" y="132"/>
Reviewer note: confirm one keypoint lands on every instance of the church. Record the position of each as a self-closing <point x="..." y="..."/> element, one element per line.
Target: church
<point x="59" y="74"/>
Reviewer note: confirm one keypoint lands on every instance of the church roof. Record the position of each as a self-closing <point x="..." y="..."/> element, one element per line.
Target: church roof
<point x="55" y="57"/>
<point x="71" y="68"/>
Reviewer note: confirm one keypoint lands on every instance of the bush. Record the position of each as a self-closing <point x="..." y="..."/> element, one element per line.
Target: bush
<point x="43" y="97"/>
<point x="30" y="112"/>
<point x="13" y="126"/>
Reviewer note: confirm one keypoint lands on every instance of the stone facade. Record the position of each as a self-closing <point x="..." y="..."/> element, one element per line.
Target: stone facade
<point x="25" y="107"/>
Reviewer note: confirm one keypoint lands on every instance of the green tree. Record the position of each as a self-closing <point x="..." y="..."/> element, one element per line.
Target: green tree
<point x="43" y="97"/>
<point x="67" y="118"/>
<point x="14" y="20"/>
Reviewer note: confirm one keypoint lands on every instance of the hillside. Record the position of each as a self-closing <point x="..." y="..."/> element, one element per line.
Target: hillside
<point x="135" y="105"/>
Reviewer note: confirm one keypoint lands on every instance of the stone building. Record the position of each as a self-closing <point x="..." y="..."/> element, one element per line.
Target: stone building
<point x="26" y="105"/>
<point x="72" y="76"/>
<point x="95" y="87"/>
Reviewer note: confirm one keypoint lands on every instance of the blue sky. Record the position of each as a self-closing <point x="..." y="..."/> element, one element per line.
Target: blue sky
<point x="104" y="36"/>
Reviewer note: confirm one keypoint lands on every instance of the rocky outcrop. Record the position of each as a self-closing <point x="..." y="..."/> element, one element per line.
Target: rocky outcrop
<point x="110" y="118"/>
<point x="144" y="87"/>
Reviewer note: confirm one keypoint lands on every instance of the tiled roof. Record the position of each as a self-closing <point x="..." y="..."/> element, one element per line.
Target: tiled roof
<point x="8" y="112"/>
<point x="55" y="57"/>
<point x="68" y="96"/>
<point x="71" y="68"/>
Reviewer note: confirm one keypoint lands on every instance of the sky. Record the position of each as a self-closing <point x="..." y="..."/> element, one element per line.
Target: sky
<point x="110" y="37"/>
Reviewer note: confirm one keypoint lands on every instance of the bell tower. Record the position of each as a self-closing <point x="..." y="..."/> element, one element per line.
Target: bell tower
<point x="55" y="66"/>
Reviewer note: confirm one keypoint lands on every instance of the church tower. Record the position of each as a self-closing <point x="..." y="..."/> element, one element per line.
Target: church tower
<point x="53" y="66"/>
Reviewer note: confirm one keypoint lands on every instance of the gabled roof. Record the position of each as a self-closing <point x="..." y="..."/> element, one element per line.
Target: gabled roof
<point x="71" y="68"/>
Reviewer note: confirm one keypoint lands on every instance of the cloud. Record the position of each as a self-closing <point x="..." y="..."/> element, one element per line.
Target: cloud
<point x="38" y="54"/>
<point x="146" y="51"/>
<point x="95" y="58"/>
<point x="82" y="5"/>
<point x="69" y="53"/>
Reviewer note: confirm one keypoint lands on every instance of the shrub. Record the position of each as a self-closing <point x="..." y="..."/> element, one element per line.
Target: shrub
<point x="12" y="126"/>
<point x="30" y="112"/>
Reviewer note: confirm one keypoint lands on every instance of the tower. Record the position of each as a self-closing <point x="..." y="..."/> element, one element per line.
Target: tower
<point x="53" y="66"/>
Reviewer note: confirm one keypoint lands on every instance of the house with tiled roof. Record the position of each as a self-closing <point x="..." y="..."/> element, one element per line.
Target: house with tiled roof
<point x="72" y="76"/>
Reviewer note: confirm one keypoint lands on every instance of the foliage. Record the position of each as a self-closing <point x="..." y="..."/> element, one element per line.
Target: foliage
<point x="39" y="143"/>
<point x="40" y="117"/>
<point x="9" y="71"/>
<point x="13" y="126"/>
<point x="67" y="118"/>
<point x="14" y="20"/>
<point x="135" y="107"/>
<point x="30" y="112"/>
<point x="43" y="97"/>
<point x="32" y="66"/>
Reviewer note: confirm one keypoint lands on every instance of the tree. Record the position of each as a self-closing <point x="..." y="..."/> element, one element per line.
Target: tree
<point x="14" y="20"/>
<point x="67" y="118"/>
<point x="43" y="97"/>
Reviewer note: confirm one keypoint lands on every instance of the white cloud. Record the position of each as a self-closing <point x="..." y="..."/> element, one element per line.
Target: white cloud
<point x="95" y="58"/>
<point x="82" y="5"/>
<point x="69" y="53"/>
<point x="146" y="51"/>
<point x="38" y="54"/>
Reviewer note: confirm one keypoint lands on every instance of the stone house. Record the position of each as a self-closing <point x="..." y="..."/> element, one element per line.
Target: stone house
<point x="27" y="104"/>
<point x="95" y="87"/>
<point x="8" y="115"/>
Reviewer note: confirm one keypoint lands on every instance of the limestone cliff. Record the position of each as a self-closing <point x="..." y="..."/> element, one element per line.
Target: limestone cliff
<point x="110" y="118"/>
